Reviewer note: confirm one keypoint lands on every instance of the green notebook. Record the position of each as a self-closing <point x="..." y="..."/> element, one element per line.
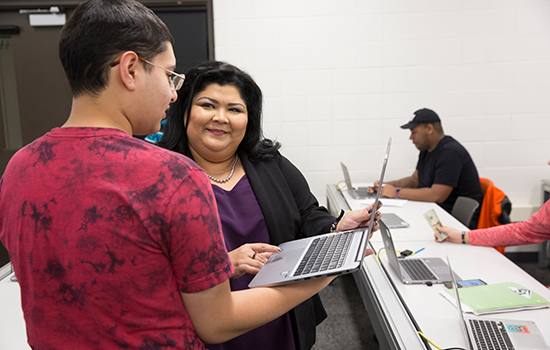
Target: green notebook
<point x="496" y="298"/>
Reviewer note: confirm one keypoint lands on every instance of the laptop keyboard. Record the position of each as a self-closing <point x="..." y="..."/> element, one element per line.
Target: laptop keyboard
<point x="325" y="253"/>
<point x="417" y="269"/>
<point x="490" y="334"/>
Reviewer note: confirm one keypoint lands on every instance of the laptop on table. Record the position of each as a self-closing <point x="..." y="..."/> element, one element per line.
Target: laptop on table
<point x="414" y="270"/>
<point x="325" y="255"/>
<point x="356" y="193"/>
<point x="393" y="221"/>
<point x="484" y="333"/>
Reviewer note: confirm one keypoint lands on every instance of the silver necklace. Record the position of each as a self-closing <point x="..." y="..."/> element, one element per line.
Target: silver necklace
<point x="230" y="174"/>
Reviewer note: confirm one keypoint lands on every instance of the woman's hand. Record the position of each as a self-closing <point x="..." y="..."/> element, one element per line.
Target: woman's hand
<point x="250" y="257"/>
<point x="360" y="218"/>
<point x="454" y="235"/>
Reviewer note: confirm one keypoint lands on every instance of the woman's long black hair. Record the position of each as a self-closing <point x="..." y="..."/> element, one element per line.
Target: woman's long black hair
<point x="197" y="79"/>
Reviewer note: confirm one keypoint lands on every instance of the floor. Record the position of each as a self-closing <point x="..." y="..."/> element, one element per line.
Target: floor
<point x="348" y="325"/>
<point x="531" y="267"/>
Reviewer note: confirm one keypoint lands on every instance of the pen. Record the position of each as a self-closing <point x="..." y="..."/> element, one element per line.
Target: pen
<point x="418" y="251"/>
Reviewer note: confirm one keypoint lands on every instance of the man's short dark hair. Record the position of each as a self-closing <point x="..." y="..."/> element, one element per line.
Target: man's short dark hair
<point x="99" y="31"/>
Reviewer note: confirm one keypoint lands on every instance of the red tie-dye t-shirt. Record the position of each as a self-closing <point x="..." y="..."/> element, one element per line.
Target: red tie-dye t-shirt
<point x="104" y="232"/>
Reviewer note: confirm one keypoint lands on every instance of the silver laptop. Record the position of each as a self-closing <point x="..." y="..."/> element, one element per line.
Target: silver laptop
<point x="356" y="193"/>
<point x="483" y="333"/>
<point x="319" y="256"/>
<point x="414" y="270"/>
<point x="393" y="221"/>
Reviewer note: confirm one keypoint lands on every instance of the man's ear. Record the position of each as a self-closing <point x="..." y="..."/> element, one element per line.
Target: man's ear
<point x="430" y="129"/>
<point x="128" y="69"/>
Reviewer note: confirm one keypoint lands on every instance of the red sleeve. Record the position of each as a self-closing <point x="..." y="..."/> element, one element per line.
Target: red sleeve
<point x="536" y="229"/>
<point x="196" y="245"/>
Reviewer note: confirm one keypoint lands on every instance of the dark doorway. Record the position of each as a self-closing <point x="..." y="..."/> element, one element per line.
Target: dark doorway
<point x="37" y="97"/>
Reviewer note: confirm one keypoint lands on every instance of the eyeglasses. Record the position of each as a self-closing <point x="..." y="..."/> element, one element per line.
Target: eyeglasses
<point x="176" y="80"/>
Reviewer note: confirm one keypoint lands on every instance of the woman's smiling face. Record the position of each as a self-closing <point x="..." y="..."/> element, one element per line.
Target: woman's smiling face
<point x="217" y="122"/>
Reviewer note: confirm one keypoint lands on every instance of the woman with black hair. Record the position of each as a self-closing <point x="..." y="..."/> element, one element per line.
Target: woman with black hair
<point x="263" y="199"/>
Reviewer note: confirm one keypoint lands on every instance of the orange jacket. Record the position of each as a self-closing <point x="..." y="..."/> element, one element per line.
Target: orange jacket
<point x="491" y="208"/>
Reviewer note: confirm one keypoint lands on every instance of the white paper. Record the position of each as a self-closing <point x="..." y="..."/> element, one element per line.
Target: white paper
<point x="387" y="202"/>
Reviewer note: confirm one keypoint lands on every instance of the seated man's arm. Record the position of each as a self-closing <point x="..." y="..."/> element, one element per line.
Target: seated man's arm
<point x="437" y="193"/>
<point x="219" y="314"/>
<point x="409" y="182"/>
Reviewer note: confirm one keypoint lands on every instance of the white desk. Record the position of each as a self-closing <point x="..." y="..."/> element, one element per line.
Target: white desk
<point x="13" y="334"/>
<point x="412" y="212"/>
<point x="436" y="317"/>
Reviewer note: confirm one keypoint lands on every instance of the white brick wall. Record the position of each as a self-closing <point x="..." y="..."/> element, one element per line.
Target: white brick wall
<point x="340" y="77"/>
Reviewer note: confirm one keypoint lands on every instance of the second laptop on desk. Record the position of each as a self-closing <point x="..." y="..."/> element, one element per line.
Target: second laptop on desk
<point x="414" y="270"/>
<point x="356" y="193"/>
<point x="394" y="221"/>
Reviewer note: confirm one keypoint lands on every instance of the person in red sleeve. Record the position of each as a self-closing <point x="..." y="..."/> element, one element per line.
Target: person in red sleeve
<point x="117" y="243"/>
<point x="536" y="229"/>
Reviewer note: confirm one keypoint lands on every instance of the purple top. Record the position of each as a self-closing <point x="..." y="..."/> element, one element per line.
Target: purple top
<point x="243" y="222"/>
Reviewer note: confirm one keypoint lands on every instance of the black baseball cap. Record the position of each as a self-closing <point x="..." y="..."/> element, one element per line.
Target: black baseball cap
<point x="422" y="116"/>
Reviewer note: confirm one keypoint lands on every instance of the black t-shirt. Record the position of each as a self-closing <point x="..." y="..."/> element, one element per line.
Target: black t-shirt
<point x="450" y="164"/>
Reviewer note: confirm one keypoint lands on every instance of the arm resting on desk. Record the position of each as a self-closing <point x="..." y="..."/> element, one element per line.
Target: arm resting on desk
<point x="437" y="193"/>
<point x="409" y="190"/>
<point x="406" y="182"/>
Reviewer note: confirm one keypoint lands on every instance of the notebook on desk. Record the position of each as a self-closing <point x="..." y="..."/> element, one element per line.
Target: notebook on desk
<point x="497" y="298"/>
<point x="414" y="270"/>
<point x="356" y="193"/>
<point x="484" y="333"/>
<point x="319" y="256"/>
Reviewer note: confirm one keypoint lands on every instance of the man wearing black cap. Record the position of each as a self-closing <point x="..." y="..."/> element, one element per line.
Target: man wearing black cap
<point x="444" y="170"/>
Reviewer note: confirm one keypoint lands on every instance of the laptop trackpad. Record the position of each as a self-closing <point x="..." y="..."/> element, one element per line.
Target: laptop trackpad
<point x="284" y="262"/>
<point x="528" y="341"/>
<point x="287" y="255"/>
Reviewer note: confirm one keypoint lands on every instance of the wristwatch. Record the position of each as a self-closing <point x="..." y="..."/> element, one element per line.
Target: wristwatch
<point x="398" y="192"/>
<point x="337" y="220"/>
